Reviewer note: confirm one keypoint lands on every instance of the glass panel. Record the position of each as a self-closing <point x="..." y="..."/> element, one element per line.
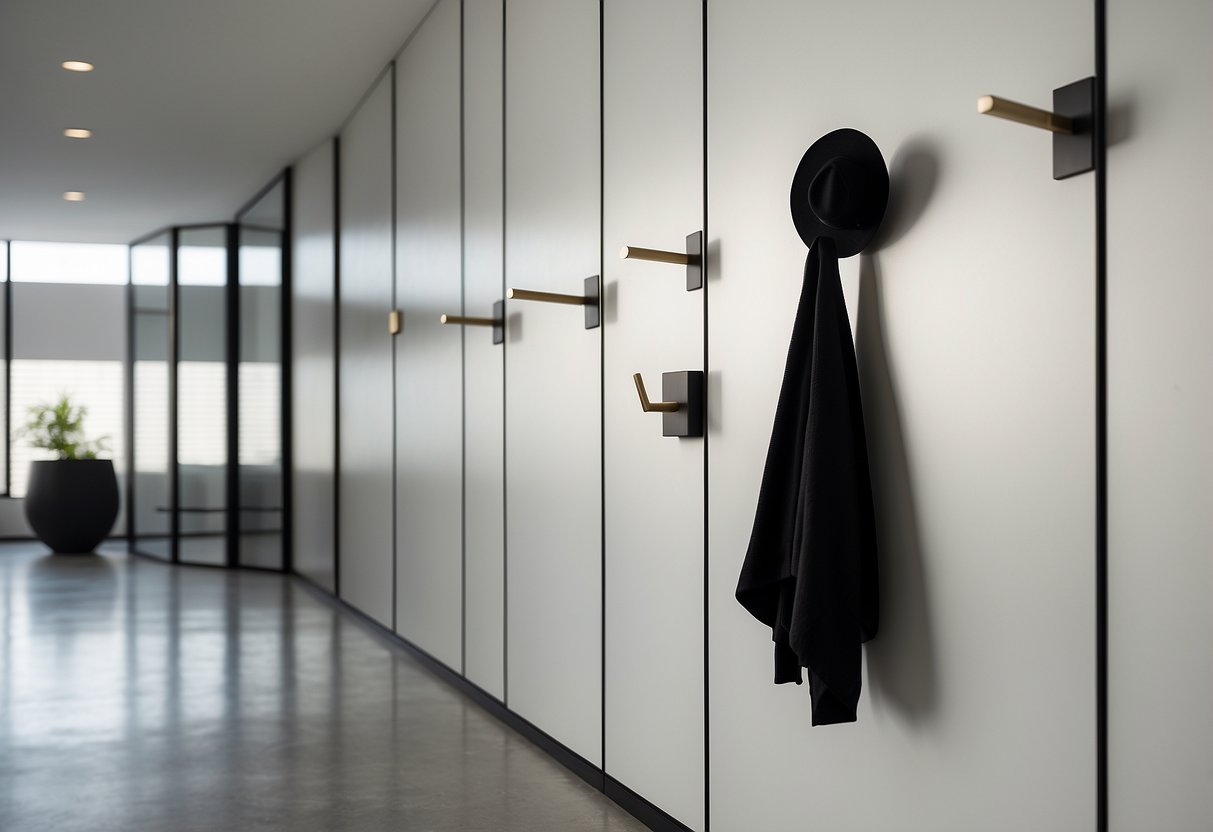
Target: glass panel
<point x="35" y="262"/>
<point x="96" y="385"/>
<point x="202" y="394"/>
<point x="4" y="360"/>
<point x="150" y="517"/>
<point x="259" y="372"/>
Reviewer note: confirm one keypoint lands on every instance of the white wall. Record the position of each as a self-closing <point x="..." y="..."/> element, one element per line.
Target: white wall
<point x="1160" y="408"/>
<point x="313" y="365"/>
<point x="974" y="318"/>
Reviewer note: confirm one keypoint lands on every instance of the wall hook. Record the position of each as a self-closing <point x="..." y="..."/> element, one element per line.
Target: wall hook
<point x="682" y="408"/>
<point x="692" y="259"/>
<point x="589" y="300"/>
<point x="1071" y="121"/>
<point x="992" y="105"/>
<point x="497" y="322"/>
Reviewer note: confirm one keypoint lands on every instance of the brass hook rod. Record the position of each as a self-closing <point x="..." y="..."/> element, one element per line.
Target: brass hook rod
<point x="992" y="105"/>
<point x="547" y="297"/>
<point x="465" y="320"/>
<point x="656" y="255"/>
<point x="648" y="406"/>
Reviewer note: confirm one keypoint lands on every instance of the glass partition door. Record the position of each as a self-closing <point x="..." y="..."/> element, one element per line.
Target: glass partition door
<point x="208" y="426"/>
<point x="149" y="494"/>
<point x="261" y="481"/>
<point x="202" y="385"/>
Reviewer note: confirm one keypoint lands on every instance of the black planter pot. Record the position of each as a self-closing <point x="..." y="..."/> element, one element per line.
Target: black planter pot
<point x="72" y="503"/>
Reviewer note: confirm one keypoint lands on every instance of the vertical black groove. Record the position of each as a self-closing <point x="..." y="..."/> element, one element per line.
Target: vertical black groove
<point x="286" y="367"/>
<point x="129" y="398"/>
<point x="505" y="497"/>
<point x="707" y="770"/>
<point x="173" y="345"/>
<point x="602" y="364"/>
<point x="8" y="366"/>
<point x="463" y="371"/>
<point x="337" y="366"/>
<point x="395" y="450"/>
<point x="1101" y="417"/>
<point x="232" y="239"/>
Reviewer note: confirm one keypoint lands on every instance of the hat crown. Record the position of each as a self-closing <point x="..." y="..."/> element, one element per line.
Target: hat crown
<point x="844" y="194"/>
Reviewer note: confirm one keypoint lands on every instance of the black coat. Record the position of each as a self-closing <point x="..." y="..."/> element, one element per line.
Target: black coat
<point x="810" y="572"/>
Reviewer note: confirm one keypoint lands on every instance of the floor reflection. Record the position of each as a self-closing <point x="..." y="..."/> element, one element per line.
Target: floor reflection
<point x="140" y="696"/>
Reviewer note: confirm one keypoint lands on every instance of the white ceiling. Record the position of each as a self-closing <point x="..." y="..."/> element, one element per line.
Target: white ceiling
<point x="194" y="105"/>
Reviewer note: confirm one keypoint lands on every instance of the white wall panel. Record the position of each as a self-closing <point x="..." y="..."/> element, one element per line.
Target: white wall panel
<point x="975" y="340"/>
<point x="365" y="395"/>
<point x="654" y="485"/>
<point x="429" y="360"/>
<point x="484" y="362"/>
<point x="553" y="367"/>
<point x="313" y="365"/>
<point x="1160" y="408"/>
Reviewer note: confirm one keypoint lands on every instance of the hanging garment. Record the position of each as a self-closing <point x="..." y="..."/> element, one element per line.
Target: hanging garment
<point x="810" y="571"/>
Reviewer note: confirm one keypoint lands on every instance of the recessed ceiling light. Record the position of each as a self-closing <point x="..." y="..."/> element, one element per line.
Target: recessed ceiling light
<point x="78" y="133"/>
<point x="74" y="196"/>
<point x="77" y="66"/>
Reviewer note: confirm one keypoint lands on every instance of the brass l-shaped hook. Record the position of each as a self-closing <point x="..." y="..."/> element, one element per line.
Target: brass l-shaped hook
<point x="648" y="406"/>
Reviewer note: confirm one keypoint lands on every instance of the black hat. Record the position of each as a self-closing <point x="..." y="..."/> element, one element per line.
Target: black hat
<point x="840" y="191"/>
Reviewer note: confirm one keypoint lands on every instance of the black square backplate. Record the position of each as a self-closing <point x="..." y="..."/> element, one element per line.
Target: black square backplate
<point x="593" y="306"/>
<point x="1074" y="153"/>
<point x="686" y="388"/>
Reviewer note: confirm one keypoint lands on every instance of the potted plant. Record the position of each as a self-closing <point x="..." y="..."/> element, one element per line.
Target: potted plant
<point x="72" y="500"/>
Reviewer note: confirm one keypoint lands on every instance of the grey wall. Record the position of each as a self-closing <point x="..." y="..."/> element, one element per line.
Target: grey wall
<point x="69" y="321"/>
<point x="313" y="365"/>
<point x="365" y="469"/>
<point x="1160" y="407"/>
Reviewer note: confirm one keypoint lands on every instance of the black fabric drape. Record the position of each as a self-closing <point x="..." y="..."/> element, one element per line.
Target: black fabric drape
<point x="810" y="571"/>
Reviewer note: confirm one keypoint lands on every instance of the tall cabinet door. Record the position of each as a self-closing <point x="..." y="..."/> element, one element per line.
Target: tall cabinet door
<point x="974" y="326"/>
<point x="1160" y="398"/>
<point x="653" y="484"/>
<point x="553" y="372"/>
<point x="484" y="361"/>
<point x="429" y="363"/>
<point x="365" y="364"/>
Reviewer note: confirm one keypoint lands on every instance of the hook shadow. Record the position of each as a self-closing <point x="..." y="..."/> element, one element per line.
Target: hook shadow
<point x="913" y="177"/>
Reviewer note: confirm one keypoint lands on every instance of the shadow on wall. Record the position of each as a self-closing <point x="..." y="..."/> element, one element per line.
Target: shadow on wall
<point x="902" y="672"/>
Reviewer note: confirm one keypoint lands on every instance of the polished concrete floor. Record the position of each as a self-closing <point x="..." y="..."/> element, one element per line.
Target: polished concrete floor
<point x="139" y="696"/>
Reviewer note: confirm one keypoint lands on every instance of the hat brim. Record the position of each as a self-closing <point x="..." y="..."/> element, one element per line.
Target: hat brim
<point x="854" y="145"/>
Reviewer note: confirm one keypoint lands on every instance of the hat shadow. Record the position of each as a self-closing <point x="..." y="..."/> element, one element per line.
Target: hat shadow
<point x="913" y="177"/>
<point x="901" y="659"/>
